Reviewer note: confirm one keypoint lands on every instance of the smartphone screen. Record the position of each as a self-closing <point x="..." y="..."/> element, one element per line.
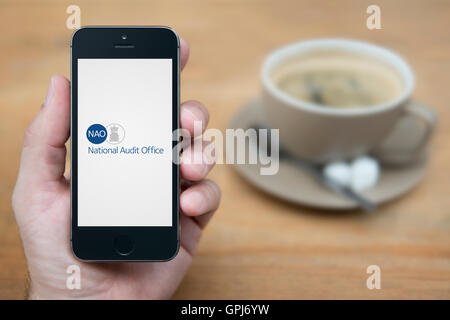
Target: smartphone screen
<point x="124" y="142"/>
<point x="124" y="111"/>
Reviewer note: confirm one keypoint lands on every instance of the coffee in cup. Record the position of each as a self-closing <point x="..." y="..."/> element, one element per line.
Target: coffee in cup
<point x="338" y="79"/>
<point x="336" y="99"/>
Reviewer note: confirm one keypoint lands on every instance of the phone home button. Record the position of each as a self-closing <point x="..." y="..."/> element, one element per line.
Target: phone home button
<point x="124" y="245"/>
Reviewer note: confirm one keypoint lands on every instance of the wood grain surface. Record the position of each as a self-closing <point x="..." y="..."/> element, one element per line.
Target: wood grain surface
<point x="256" y="246"/>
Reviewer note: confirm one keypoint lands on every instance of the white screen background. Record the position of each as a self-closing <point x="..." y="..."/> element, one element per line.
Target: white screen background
<point x="125" y="190"/>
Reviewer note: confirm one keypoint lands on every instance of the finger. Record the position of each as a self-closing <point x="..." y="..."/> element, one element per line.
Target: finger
<point x="184" y="48"/>
<point x="51" y="125"/>
<point x="200" y="201"/>
<point x="197" y="161"/>
<point x="203" y="220"/>
<point x="191" y="233"/>
<point x="44" y="153"/>
<point x="194" y="117"/>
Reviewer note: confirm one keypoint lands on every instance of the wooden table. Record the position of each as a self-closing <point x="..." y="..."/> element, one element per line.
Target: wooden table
<point x="257" y="246"/>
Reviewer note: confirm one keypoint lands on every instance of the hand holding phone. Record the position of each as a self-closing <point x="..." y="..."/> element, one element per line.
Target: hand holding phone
<point x="41" y="203"/>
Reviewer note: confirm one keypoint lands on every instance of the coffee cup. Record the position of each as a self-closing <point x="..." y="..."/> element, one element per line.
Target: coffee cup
<point x="336" y="99"/>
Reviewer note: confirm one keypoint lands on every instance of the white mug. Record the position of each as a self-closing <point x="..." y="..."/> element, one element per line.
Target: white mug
<point x="323" y="134"/>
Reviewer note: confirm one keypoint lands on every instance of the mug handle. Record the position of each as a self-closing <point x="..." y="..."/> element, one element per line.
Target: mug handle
<point x="422" y="114"/>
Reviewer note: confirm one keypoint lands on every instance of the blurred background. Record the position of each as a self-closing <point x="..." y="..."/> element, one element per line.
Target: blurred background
<point x="257" y="246"/>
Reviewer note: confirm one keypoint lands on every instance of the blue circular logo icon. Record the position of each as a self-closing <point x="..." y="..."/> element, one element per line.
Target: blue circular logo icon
<point x="96" y="133"/>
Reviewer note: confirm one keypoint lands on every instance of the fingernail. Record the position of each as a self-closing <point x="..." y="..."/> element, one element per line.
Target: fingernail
<point x="50" y="92"/>
<point x="197" y="114"/>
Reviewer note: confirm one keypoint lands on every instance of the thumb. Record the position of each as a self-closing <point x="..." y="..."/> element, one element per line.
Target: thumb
<point x="44" y="152"/>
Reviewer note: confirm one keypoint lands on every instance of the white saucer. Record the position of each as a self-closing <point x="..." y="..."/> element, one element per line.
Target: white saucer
<point x="296" y="185"/>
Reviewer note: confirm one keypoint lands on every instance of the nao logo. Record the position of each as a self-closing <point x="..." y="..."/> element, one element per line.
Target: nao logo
<point x="113" y="133"/>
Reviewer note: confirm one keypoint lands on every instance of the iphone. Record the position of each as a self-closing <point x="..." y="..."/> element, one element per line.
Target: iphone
<point x="124" y="110"/>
